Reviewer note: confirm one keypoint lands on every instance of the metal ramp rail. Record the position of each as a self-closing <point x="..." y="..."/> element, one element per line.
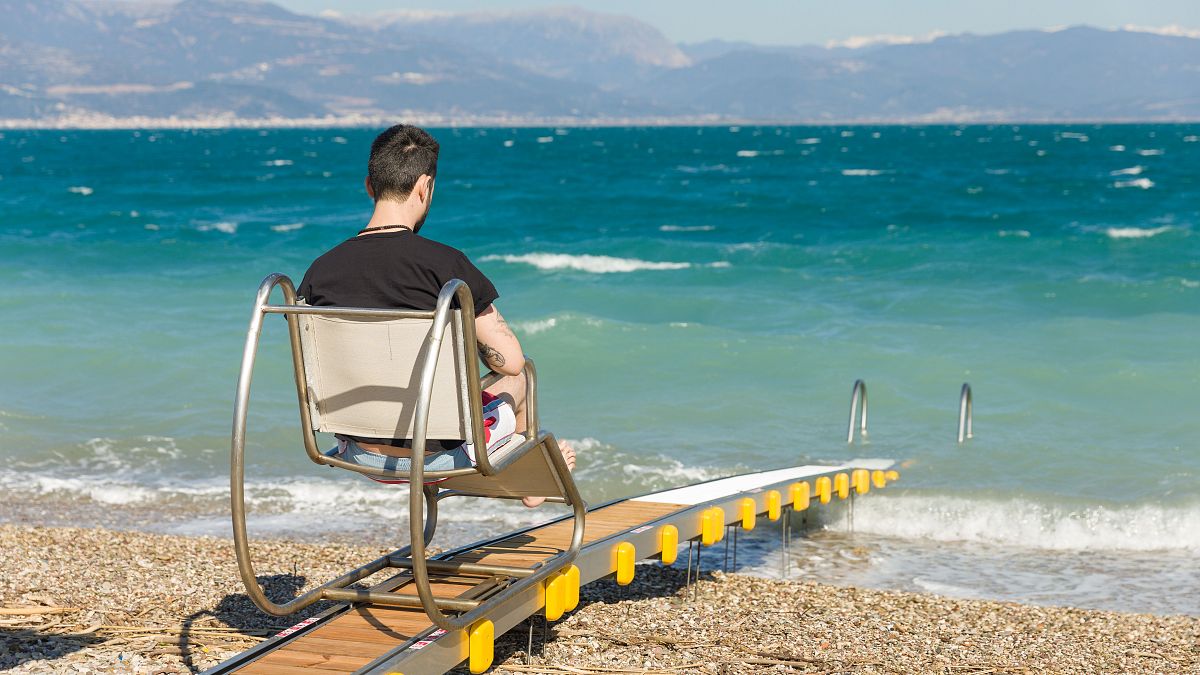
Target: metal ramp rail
<point x="365" y="638"/>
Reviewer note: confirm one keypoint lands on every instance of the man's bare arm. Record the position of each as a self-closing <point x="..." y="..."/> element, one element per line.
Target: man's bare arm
<point x="490" y="356"/>
<point x="498" y="346"/>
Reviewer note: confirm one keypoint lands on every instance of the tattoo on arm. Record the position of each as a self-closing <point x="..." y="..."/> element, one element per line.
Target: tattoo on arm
<point x="490" y="356"/>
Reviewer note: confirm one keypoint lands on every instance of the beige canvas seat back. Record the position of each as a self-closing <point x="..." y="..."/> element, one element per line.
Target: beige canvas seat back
<point x="363" y="376"/>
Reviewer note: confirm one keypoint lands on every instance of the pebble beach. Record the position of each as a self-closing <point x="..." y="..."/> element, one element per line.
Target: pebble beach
<point x="105" y="601"/>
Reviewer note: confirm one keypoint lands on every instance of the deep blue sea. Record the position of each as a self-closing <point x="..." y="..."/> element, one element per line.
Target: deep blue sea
<point x="698" y="301"/>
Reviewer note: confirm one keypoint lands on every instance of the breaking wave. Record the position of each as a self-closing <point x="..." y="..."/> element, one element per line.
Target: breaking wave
<point x="1143" y="183"/>
<point x="687" y="228"/>
<point x="1135" y="232"/>
<point x="1142" y="527"/>
<point x="595" y="264"/>
<point x="223" y="226"/>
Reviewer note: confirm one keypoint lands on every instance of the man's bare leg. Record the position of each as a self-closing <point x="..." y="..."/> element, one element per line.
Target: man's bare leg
<point x="512" y="389"/>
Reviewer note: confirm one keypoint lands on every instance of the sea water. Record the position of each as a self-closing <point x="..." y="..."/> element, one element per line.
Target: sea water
<point x="698" y="301"/>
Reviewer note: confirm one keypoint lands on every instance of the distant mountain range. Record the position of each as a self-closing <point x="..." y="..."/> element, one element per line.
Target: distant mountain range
<point x="229" y="60"/>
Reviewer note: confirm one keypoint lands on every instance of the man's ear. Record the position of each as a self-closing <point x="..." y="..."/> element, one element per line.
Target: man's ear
<point x="424" y="187"/>
<point x="367" y="184"/>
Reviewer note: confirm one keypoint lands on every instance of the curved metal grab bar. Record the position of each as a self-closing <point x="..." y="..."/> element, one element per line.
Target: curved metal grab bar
<point x="859" y="393"/>
<point x="966" y="411"/>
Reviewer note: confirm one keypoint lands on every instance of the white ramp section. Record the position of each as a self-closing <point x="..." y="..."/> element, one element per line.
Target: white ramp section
<point x="725" y="487"/>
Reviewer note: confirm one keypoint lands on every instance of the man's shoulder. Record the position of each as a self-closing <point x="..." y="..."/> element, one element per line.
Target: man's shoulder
<point x="408" y="245"/>
<point x="437" y="247"/>
<point x="384" y="254"/>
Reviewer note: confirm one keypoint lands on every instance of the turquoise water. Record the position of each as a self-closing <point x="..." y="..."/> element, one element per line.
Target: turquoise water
<point x="698" y="300"/>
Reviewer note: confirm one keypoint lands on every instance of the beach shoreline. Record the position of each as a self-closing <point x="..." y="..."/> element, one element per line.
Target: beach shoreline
<point x="96" y="600"/>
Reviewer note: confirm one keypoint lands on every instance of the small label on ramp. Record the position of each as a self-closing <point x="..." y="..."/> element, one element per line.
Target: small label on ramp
<point x="428" y="640"/>
<point x="298" y="627"/>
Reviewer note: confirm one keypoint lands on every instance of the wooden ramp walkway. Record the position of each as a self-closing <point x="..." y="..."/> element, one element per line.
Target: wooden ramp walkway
<point x="360" y="638"/>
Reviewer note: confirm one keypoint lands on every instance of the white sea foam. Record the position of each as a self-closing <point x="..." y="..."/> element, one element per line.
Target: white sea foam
<point x="535" y="327"/>
<point x="1143" y="183"/>
<point x="99" y="491"/>
<point x="1024" y="234"/>
<point x="80" y="190"/>
<point x="687" y="228"/>
<point x="748" y="153"/>
<point x="545" y="139"/>
<point x="1145" y="527"/>
<point x="1131" y="171"/>
<point x="278" y="162"/>
<point x="603" y="464"/>
<point x="863" y="172"/>
<point x="509" y="143"/>
<point x="1191" y="139"/>
<point x="287" y="227"/>
<point x="704" y="168"/>
<point x="1135" y="232"/>
<point x="223" y="226"/>
<point x="997" y="172"/>
<point x="1082" y="138"/>
<point x="1150" y="152"/>
<point x="1117" y="148"/>
<point x="808" y="141"/>
<point x="951" y="590"/>
<point x="596" y="264"/>
<point x="671" y="471"/>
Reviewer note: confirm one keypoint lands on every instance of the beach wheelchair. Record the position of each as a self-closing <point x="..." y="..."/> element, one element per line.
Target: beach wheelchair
<point x="406" y="374"/>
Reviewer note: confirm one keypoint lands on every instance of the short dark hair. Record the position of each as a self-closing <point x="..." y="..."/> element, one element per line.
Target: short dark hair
<point x="399" y="156"/>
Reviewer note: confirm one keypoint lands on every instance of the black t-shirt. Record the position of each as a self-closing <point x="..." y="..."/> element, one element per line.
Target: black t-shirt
<point x="392" y="270"/>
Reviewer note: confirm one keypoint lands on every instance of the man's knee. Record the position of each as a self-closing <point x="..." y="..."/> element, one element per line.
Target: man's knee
<point x="511" y="389"/>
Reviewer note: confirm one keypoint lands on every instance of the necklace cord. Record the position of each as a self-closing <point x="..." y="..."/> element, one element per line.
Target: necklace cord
<point x="381" y="228"/>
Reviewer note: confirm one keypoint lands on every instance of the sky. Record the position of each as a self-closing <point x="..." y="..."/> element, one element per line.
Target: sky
<point x="792" y="22"/>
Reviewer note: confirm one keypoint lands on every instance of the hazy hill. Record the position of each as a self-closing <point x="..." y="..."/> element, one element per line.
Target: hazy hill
<point x="198" y="58"/>
<point x="211" y="57"/>
<point x="560" y="42"/>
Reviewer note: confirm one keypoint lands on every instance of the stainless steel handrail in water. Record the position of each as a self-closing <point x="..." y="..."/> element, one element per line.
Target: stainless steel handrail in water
<point x="966" y="411"/>
<point x="859" y="393"/>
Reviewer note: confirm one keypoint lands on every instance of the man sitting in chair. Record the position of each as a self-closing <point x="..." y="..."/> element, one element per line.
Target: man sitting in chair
<point x="389" y="265"/>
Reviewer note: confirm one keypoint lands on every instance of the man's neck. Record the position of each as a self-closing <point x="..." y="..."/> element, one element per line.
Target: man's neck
<point x="388" y="212"/>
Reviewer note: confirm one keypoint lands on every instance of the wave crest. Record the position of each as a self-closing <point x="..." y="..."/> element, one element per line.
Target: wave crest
<point x="1143" y="183"/>
<point x="1143" y="527"/>
<point x="1135" y="232"/>
<point x="595" y="264"/>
